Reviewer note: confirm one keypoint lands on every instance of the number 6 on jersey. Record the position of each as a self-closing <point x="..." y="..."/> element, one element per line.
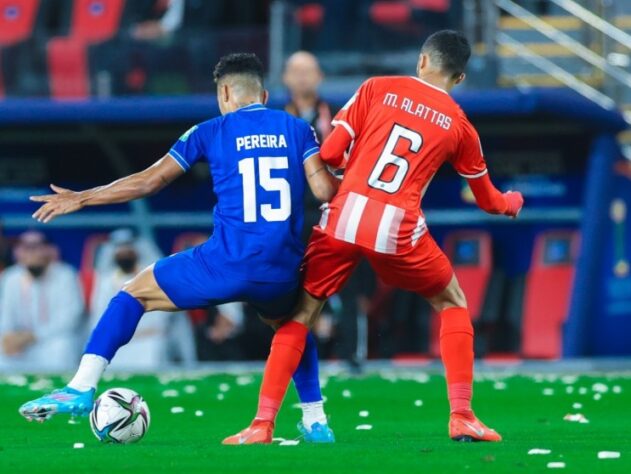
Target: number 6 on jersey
<point x="388" y="157"/>
<point x="280" y="185"/>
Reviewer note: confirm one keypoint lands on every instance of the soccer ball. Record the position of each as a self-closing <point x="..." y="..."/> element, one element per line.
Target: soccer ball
<point x="119" y="415"/>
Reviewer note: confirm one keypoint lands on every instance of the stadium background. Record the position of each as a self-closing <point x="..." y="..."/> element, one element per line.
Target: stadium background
<point x="85" y="99"/>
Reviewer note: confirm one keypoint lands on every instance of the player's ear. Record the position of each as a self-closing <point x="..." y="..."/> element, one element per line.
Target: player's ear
<point x="460" y="78"/>
<point x="265" y="96"/>
<point x="225" y="93"/>
<point x="423" y="62"/>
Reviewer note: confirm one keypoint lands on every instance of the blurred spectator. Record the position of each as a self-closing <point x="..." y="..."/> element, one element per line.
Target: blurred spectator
<point x="161" y="336"/>
<point x="171" y="16"/>
<point x="337" y="327"/>
<point x="40" y="308"/>
<point x="302" y="77"/>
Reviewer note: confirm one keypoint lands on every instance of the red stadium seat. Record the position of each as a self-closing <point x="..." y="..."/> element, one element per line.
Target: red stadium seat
<point x="438" y="6"/>
<point x="473" y="271"/>
<point x="547" y="294"/>
<point x="17" y="23"/>
<point x="390" y="13"/>
<point x="93" y="21"/>
<point x="88" y="258"/>
<point x="310" y="15"/>
<point x="17" y="20"/>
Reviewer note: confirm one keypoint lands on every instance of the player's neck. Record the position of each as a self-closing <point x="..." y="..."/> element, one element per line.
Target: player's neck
<point x="246" y="103"/>
<point x="437" y="80"/>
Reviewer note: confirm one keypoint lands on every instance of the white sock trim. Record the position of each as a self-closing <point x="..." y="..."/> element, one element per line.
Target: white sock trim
<point x="89" y="373"/>
<point x="313" y="412"/>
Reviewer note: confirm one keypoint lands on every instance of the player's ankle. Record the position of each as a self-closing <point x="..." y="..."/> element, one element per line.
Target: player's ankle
<point x="464" y="412"/>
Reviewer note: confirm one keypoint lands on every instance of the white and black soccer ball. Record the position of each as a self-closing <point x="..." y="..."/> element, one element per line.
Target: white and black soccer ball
<point x="120" y="415"/>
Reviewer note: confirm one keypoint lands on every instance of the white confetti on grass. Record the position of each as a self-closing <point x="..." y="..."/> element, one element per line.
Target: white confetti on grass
<point x="78" y="445"/>
<point x="597" y="396"/>
<point x="346" y="393"/>
<point x="548" y="392"/>
<point x="600" y="388"/>
<point x="616" y="389"/>
<point x="577" y="406"/>
<point x="289" y="442"/>
<point x="499" y="385"/>
<point x="418" y="403"/>
<point x="608" y="454"/>
<point x="224" y="387"/>
<point x="569" y="379"/>
<point x="246" y="380"/>
<point x="41" y="384"/>
<point x="569" y="389"/>
<point x="73" y="421"/>
<point x="190" y="389"/>
<point x="220" y="396"/>
<point x="199" y="413"/>
<point x="363" y="427"/>
<point x="176" y="410"/>
<point x="171" y="393"/>
<point x="556" y="465"/>
<point x="576" y="418"/>
<point x="17" y="380"/>
<point x="539" y="451"/>
<point x="364" y="413"/>
<point x="582" y="390"/>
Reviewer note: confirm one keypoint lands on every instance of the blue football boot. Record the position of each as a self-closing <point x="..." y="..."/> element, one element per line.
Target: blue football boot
<point x="64" y="400"/>
<point x="319" y="433"/>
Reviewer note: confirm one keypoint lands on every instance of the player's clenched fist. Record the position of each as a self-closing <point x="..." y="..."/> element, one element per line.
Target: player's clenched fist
<point x="514" y="203"/>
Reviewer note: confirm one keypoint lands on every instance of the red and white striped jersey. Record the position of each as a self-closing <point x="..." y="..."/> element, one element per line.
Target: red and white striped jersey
<point x="403" y="130"/>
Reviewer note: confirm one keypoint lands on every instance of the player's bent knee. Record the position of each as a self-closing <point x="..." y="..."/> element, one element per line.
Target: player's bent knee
<point x="451" y="297"/>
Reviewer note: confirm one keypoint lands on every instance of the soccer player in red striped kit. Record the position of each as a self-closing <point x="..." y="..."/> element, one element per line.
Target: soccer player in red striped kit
<point x="397" y="131"/>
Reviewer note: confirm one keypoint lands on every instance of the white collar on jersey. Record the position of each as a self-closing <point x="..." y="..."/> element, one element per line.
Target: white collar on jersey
<point x="430" y="85"/>
<point x="251" y="107"/>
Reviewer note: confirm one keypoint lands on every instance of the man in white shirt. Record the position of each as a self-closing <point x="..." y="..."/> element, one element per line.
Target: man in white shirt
<point x="41" y="306"/>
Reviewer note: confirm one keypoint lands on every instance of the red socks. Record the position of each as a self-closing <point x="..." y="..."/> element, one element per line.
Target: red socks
<point x="456" y="351"/>
<point x="288" y="345"/>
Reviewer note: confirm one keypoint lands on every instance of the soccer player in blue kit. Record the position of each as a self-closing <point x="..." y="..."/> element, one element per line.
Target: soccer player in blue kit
<point x="260" y="160"/>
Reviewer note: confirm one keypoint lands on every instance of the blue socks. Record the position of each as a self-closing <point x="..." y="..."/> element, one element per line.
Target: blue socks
<point x="306" y="377"/>
<point x="117" y="326"/>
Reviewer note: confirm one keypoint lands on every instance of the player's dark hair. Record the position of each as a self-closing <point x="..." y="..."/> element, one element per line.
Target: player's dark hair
<point x="245" y="64"/>
<point x="448" y="50"/>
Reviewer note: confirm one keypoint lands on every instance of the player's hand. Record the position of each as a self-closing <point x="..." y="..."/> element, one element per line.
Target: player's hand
<point x="64" y="201"/>
<point x="514" y="201"/>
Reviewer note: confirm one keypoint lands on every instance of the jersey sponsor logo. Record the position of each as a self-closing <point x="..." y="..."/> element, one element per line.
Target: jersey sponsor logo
<point x="187" y="134"/>
<point x="250" y="142"/>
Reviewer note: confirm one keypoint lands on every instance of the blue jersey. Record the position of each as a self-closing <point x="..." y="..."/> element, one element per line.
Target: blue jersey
<point x="256" y="158"/>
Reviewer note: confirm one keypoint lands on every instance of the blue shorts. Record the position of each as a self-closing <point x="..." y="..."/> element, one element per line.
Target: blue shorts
<point x="191" y="281"/>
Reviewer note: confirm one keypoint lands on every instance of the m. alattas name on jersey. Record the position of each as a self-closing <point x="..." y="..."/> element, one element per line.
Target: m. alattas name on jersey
<point x="389" y="168"/>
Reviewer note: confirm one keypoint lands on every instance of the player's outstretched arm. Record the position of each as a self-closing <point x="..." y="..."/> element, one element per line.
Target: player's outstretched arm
<point x="322" y="183"/>
<point x="134" y="186"/>
<point x="491" y="200"/>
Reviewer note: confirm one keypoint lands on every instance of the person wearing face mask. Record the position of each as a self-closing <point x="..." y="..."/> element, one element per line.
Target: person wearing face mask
<point x="41" y="306"/>
<point x="160" y="334"/>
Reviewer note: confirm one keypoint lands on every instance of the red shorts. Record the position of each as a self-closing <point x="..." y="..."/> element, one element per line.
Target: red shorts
<point x="329" y="263"/>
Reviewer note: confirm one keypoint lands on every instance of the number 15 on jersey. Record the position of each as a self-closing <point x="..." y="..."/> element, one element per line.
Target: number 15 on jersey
<point x="251" y="207"/>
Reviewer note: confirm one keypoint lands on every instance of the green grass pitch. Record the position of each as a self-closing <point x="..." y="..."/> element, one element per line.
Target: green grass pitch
<point x="407" y="436"/>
